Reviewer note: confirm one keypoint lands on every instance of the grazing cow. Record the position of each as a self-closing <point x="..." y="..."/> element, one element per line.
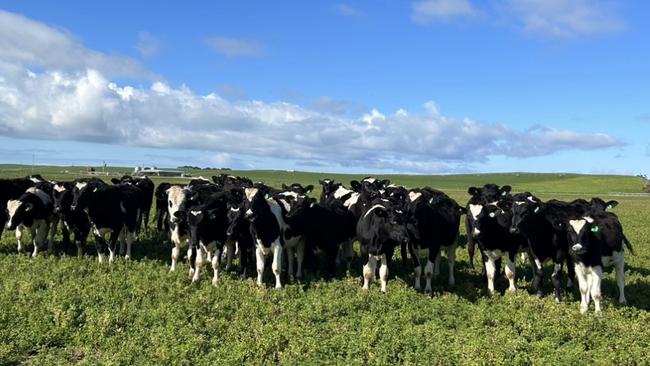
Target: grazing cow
<point x="73" y="221"/>
<point x="489" y="194"/>
<point x="434" y="223"/>
<point x="179" y="233"/>
<point x="379" y="231"/>
<point x="33" y="211"/>
<point x="596" y="241"/>
<point x="113" y="210"/>
<point x="147" y="186"/>
<point x="208" y="223"/>
<point x="267" y="224"/>
<point x="323" y="226"/>
<point x="11" y="189"/>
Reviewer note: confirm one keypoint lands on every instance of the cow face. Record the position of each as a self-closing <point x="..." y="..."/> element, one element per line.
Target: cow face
<point x="298" y="188"/>
<point x="474" y="212"/>
<point x="235" y="217"/>
<point x="488" y="215"/>
<point x="195" y="218"/>
<point x="18" y="213"/>
<point x="255" y="203"/>
<point x="176" y="203"/>
<point x="521" y="209"/>
<point x="300" y="205"/>
<point x="81" y="195"/>
<point x="396" y="221"/>
<point x="62" y="197"/>
<point x="579" y="233"/>
<point x="492" y="193"/>
<point x="599" y="205"/>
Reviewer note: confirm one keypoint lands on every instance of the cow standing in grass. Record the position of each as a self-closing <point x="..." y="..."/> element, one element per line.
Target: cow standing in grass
<point x="32" y="211"/>
<point x="75" y="222"/>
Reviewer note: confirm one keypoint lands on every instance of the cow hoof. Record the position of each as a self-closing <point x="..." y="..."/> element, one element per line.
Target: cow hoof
<point x="583" y="309"/>
<point x="540" y="293"/>
<point x="214" y="282"/>
<point x="557" y="300"/>
<point x="623" y="302"/>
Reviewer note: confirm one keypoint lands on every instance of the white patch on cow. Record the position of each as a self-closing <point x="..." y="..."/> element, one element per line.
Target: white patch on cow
<point x="81" y="185"/>
<point x="290" y="193"/>
<point x="538" y="263"/>
<point x="277" y="211"/>
<point x="495" y="254"/>
<point x="577" y="225"/>
<point x="249" y="212"/>
<point x="250" y="193"/>
<point x="265" y="251"/>
<point x="101" y="231"/>
<point x="413" y="196"/>
<point x="45" y="198"/>
<point x="59" y="188"/>
<point x="372" y="209"/>
<point x="589" y="219"/>
<point x="519" y="203"/>
<point x="370" y="180"/>
<point x="531" y="199"/>
<point x="352" y="200"/>
<point x="12" y="206"/>
<point x="195" y="213"/>
<point x="175" y="200"/>
<point x="285" y="204"/>
<point x="234" y="209"/>
<point x="341" y="191"/>
<point x="576" y="247"/>
<point x="122" y="207"/>
<point x="392" y="186"/>
<point x="35" y="180"/>
<point x="476" y="232"/>
<point x="475" y="210"/>
<point x="495" y="203"/>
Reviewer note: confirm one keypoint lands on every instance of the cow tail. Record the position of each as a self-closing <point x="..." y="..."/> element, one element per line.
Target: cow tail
<point x="628" y="244"/>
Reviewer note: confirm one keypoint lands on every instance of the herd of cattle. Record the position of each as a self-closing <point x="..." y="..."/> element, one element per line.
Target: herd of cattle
<point x="235" y="216"/>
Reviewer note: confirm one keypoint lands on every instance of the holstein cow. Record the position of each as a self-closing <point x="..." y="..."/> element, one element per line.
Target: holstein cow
<point x="379" y="230"/>
<point x="33" y="211"/>
<point x="596" y="241"/>
<point x="293" y="241"/>
<point x="267" y="225"/>
<point x="113" y="210"/>
<point x="489" y="194"/>
<point x="74" y="221"/>
<point x="239" y="231"/>
<point x="179" y="233"/>
<point x="147" y="186"/>
<point x="11" y="189"/>
<point x="433" y="225"/>
<point x="161" y="217"/>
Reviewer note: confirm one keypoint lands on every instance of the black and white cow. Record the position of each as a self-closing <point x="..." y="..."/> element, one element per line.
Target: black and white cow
<point x="489" y="194"/>
<point x="208" y="225"/>
<point x="161" y="218"/>
<point x="596" y="241"/>
<point x="113" y="210"/>
<point x="179" y="231"/>
<point x="433" y="225"/>
<point x="33" y="211"/>
<point x="74" y="221"/>
<point x="147" y="186"/>
<point x="11" y="189"/>
<point x="379" y="230"/>
<point x="239" y="231"/>
<point x="298" y="188"/>
<point x="267" y="225"/>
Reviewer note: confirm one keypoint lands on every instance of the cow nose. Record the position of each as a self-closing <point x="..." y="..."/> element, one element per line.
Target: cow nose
<point x="514" y="230"/>
<point x="73" y="207"/>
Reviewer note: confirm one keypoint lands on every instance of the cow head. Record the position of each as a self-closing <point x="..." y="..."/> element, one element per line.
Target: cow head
<point x="176" y="200"/>
<point x="599" y="205"/>
<point x="523" y="205"/>
<point x="19" y="212"/>
<point x="81" y="195"/>
<point x="61" y="197"/>
<point x="580" y="233"/>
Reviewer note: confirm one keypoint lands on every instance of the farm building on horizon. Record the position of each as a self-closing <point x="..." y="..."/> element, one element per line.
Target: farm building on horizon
<point x="154" y="171"/>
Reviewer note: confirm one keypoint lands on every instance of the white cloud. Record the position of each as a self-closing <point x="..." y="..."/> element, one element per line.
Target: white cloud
<point x="147" y="44"/>
<point x="75" y="101"/>
<point x="235" y="47"/>
<point x="427" y="11"/>
<point x="32" y="44"/>
<point x="346" y="10"/>
<point x="565" y="18"/>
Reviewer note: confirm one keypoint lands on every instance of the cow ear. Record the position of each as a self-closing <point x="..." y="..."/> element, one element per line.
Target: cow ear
<point x="355" y="185"/>
<point x="385" y="182"/>
<point x="321" y="182"/>
<point x="312" y="202"/>
<point x="29" y="206"/>
<point x="505" y="190"/>
<point x="309" y="188"/>
<point x="611" y="204"/>
<point x="595" y="229"/>
<point x="473" y="191"/>
<point x="285" y="187"/>
<point x="115" y="181"/>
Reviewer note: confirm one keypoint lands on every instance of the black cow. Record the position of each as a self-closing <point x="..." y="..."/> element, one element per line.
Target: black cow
<point x="74" y="221"/>
<point x="208" y="224"/>
<point x="147" y="186"/>
<point x="239" y="231"/>
<point x="596" y="241"/>
<point x="379" y="230"/>
<point x="161" y="217"/>
<point x="111" y="209"/>
<point x="33" y="211"/>
<point x="267" y="224"/>
<point x="433" y="224"/>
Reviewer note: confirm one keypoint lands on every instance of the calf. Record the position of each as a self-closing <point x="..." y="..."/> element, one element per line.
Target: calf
<point x="73" y="221"/>
<point x="379" y="230"/>
<point x="11" y="189"/>
<point x="267" y="224"/>
<point x="33" y="211"/>
<point x="146" y="185"/>
<point x="239" y="231"/>
<point x="161" y="217"/>
<point x="113" y="210"/>
<point x="596" y="241"/>
<point x="179" y="233"/>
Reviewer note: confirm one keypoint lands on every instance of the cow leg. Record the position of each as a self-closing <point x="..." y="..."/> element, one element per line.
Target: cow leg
<point x="53" y="225"/>
<point x="571" y="273"/>
<point x="198" y="261"/>
<point x="290" y="258"/>
<point x="112" y="245"/>
<point x="596" y="278"/>
<point x="130" y="238"/>
<point x="556" y="278"/>
<point x="436" y="264"/>
<point x="276" y="266"/>
<point x="81" y="243"/>
<point x="584" y="288"/>
<point x="538" y="274"/>
<point x="490" y="269"/>
<point x="429" y="270"/>
<point x="176" y="252"/>
<point x="19" y="236"/>
<point x="369" y="271"/>
<point x="348" y="254"/>
<point x="121" y="240"/>
<point x="99" y="246"/>
<point x="189" y="254"/>
<point x="417" y="267"/>
<point x="451" y="260"/>
<point x="470" y="243"/>
<point x="620" y="278"/>
<point x="383" y="272"/>
<point x="65" y="233"/>
<point x="230" y="254"/>
<point x="260" y="258"/>
<point x="510" y="272"/>
<point x="41" y="236"/>
<point x="300" y="257"/>
<point x="34" y="234"/>
<point x="215" y="266"/>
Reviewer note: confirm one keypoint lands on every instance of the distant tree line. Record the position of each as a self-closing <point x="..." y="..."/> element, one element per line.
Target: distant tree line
<point x="190" y="167"/>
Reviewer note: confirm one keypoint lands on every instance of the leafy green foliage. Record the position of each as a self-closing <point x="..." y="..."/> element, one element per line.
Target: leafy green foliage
<point x="67" y="310"/>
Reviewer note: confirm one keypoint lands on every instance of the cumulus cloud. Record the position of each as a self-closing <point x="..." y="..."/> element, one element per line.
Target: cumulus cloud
<point x="77" y="101"/>
<point x="565" y="18"/>
<point x="147" y="45"/>
<point x="427" y="11"/>
<point x="235" y="47"/>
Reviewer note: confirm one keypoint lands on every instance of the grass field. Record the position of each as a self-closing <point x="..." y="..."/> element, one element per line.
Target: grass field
<point x="62" y="310"/>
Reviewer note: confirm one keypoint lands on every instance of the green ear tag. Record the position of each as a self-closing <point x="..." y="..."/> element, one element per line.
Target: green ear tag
<point x="609" y="207"/>
<point x="536" y="209"/>
<point x="492" y="214"/>
<point x="595" y="229"/>
<point x="95" y="190"/>
<point x="266" y="196"/>
<point x="504" y="193"/>
<point x="431" y="200"/>
<point x="212" y="216"/>
<point x="392" y="194"/>
<point x="312" y="204"/>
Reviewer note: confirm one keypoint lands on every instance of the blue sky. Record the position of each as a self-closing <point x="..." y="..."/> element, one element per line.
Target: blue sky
<point x="435" y="86"/>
